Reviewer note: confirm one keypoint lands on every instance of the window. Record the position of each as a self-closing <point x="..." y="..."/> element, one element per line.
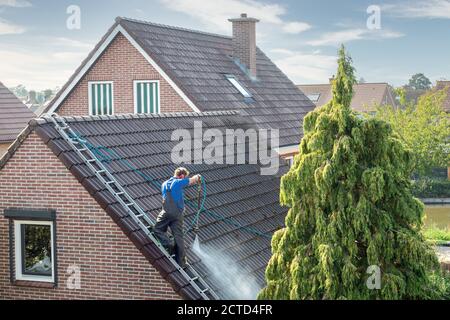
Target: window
<point x="34" y="250"/>
<point x="146" y="96"/>
<point x="290" y="161"/>
<point x="101" y="98"/>
<point x="314" y="97"/>
<point x="238" y="86"/>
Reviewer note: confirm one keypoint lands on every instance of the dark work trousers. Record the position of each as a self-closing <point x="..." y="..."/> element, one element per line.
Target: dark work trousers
<point x="171" y="217"/>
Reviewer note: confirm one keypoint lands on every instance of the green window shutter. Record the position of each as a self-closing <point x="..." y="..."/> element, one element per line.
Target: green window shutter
<point x="101" y="98"/>
<point x="147" y="95"/>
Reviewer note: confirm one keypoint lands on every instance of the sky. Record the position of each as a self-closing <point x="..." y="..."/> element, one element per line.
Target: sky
<point x="389" y="40"/>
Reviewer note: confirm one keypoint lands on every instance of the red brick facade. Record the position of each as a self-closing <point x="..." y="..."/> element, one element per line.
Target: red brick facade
<point x="121" y="63"/>
<point x="111" y="266"/>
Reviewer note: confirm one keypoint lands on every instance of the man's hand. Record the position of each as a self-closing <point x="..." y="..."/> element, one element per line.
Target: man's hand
<point x="195" y="179"/>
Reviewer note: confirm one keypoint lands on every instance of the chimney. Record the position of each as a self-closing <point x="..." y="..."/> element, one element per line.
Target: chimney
<point x="244" y="42"/>
<point x="331" y="80"/>
<point x="441" y="84"/>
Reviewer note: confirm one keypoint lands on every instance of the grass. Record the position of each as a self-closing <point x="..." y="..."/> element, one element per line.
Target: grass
<point x="437" y="235"/>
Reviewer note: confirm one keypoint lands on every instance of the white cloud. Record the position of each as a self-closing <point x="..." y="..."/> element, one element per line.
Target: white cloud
<point x="344" y="36"/>
<point x="10" y="28"/>
<point x="303" y="67"/>
<point x="431" y="9"/>
<point x="66" y="42"/>
<point x="296" y="27"/>
<point x="216" y="13"/>
<point x="44" y="68"/>
<point x="15" y="3"/>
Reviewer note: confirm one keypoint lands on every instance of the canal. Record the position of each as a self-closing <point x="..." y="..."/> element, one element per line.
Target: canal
<point x="438" y="216"/>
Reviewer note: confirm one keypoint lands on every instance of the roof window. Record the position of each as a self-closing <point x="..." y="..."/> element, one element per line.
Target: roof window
<point x="238" y="86"/>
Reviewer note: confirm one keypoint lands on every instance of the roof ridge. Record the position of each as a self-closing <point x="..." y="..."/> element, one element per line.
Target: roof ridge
<point x="46" y="118"/>
<point x="118" y="19"/>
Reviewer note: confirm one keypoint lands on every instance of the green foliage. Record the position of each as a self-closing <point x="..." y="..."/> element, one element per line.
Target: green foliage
<point x="345" y="79"/>
<point x="350" y="207"/>
<point x="34" y="97"/>
<point x="431" y="188"/>
<point x="436" y="234"/>
<point x="419" y="82"/>
<point x="424" y="127"/>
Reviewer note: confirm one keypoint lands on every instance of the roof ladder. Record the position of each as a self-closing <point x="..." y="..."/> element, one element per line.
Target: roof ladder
<point x="138" y="215"/>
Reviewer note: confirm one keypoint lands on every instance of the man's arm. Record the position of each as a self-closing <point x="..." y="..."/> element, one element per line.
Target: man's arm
<point x="195" y="179"/>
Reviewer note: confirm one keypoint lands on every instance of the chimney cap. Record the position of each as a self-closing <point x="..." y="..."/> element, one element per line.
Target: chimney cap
<point x="243" y="18"/>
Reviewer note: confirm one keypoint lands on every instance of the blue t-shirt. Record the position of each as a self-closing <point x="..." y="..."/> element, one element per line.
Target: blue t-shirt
<point x="177" y="189"/>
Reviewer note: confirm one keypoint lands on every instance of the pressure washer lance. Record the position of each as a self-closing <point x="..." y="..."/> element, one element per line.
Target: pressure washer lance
<point x="196" y="229"/>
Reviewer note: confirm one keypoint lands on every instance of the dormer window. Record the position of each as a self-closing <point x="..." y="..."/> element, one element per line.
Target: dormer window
<point x="314" y="97"/>
<point x="238" y="86"/>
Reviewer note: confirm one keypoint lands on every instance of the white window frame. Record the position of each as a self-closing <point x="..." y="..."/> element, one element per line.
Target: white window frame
<point x="158" y="96"/>
<point x="317" y="95"/>
<point x="18" y="251"/>
<point x="90" y="83"/>
<point x="290" y="161"/>
<point x="238" y="86"/>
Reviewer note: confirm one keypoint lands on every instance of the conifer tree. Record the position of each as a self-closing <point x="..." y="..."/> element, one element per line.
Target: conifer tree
<point x="351" y="207"/>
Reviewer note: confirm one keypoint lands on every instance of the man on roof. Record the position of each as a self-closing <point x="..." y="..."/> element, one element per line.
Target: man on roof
<point x="172" y="212"/>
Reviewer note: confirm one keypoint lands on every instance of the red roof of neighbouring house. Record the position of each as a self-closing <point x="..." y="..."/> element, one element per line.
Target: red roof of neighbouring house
<point x="14" y="115"/>
<point x="366" y="95"/>
<point x="442" y="85"/>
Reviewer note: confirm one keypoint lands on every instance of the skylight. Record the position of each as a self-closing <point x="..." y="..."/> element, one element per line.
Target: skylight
<point x="314" y="97"/>
<point x="238" y="86"/>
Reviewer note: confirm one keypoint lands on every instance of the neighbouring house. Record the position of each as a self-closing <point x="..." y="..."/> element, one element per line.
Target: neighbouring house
<point x="14" y="117"/>
<point x="442" y="84"/>
<point x="367" y="96"/>
<point x="64" y="236"/>
<point x="143" y="67"/>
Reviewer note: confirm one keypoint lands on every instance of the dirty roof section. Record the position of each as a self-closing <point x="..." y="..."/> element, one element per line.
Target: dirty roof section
<point x="244" y="203"/>
<point x="14" y="115"/>
<point x="366" y="95"/>
<point x="198" y="63"/>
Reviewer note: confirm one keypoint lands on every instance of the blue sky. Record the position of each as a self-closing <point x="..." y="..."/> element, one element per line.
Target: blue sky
<point x="38" y="50"/>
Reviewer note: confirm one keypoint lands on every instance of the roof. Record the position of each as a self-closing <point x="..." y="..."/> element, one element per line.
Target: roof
<point x="14" y="115"/>
<point x="366" y="95"/>
<point x="197" y="63"/>
<point x="441" y="85"/>
<point x="237" y="192"/>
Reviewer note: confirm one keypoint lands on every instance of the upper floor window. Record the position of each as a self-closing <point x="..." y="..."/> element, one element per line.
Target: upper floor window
<point x="101" y="98"/>
<point x="238" y="86"/>
<point x="146" y="96"/>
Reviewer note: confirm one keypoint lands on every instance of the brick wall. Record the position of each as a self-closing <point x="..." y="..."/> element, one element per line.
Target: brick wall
<point x="121" y="63"/>
<point x="111" y="266"/>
